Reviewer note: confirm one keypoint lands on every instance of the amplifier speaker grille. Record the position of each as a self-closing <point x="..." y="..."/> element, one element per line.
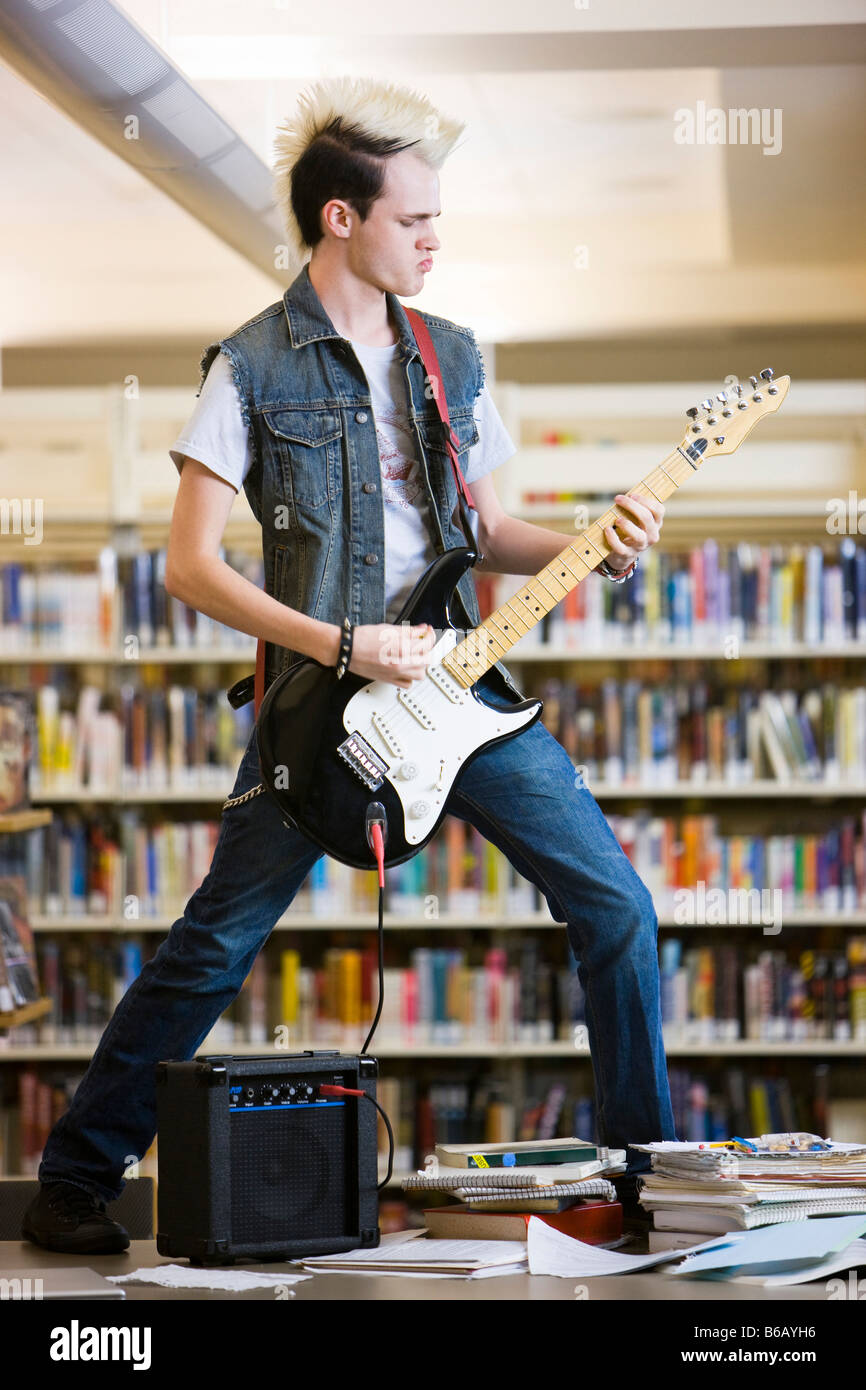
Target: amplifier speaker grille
<point x="288" y="1172"/>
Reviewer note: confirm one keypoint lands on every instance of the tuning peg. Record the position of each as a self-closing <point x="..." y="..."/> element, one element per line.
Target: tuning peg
<point x="707" y="404"/>
<point x="767" y="374"/>
<point x="692" y="412"/>
<point x="722" y="396"/>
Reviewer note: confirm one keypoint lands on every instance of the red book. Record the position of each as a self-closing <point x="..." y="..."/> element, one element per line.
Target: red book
<point x="592" y="1221"/>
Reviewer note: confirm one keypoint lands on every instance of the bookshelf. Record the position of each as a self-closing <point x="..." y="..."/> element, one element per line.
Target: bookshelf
<point x="775" y="491"/>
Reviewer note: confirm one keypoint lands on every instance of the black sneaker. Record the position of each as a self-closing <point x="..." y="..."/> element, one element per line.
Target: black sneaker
<point x="65" y="1217"/>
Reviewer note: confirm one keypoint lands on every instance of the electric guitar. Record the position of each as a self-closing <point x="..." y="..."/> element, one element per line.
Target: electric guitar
<point x="328" y="747"/>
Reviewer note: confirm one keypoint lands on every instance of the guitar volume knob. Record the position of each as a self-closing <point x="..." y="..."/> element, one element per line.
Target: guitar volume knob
<point x="419" y="809"/>
<point x="408" y="771"/>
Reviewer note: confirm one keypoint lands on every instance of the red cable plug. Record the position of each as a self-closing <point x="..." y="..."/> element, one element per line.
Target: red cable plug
<point x="379" y="851"/>
<point x="339" y="1091"/>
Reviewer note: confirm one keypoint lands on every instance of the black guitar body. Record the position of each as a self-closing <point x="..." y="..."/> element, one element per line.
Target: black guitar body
<point x="300" y="729"/>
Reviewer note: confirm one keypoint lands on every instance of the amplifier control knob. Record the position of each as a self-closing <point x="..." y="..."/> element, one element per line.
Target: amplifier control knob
<point x="289" y="1093"/>
<point x="305" y="1093"/>
<point x="272" y="1093"/>
<point x="419" y="809"/>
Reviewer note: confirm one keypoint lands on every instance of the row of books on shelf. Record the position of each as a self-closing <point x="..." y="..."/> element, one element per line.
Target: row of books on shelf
<point x="773" y="593"/>
<point x="722" y="994"/>
<point x="481" y="1110"/>
<point x="115" y="604"/>
<point x="735" y="1101"/>
<point x="619" y="732"/>
<point x="127" y="867"/>
<point x="31" y="1105"/>
<point x="441" y="998"/>
<point x="653" y="734"/>
<point x="459" y="996"/>
<point x="176" y="737"/>
<point x="696" y="873"/>
<point x="710" y="594"/>
<point x="709" y="995"/>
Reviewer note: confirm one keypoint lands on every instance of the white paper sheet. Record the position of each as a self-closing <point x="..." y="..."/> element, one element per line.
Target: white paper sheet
<point x="552" y="1252"/>
<point x="498" y="1273"/>
<point x="433" y="1252"/>
<point x="182" y="1277"/>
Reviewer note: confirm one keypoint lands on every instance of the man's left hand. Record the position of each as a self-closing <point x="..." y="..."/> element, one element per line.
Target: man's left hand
<point x="628" y="538"/>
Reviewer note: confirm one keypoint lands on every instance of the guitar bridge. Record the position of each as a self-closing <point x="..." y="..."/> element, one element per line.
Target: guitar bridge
<point x="363" y="760"/>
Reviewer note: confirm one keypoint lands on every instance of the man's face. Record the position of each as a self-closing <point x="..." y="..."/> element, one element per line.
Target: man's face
<point x="393" y="248"/>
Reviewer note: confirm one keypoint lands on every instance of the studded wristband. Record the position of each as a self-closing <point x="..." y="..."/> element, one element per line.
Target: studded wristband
<point x="345" y="654"/>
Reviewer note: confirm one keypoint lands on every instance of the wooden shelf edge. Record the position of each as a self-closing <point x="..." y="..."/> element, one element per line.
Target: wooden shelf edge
<point x="26" y="1013"/>
<point x="14" y="821"/>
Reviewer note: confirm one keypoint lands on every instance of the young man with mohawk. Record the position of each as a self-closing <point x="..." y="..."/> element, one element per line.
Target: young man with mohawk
<point x="320" y="408"/>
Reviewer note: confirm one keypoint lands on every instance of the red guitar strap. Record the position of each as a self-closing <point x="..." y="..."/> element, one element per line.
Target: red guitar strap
<point x="431" y="364"/>
<point x="434" y="375"/>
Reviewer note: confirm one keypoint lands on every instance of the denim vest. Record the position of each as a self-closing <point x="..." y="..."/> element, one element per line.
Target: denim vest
<point x="314" y="484"/>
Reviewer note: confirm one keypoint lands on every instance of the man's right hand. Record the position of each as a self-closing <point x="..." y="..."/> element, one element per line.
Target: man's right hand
<point x="392" y="652"/>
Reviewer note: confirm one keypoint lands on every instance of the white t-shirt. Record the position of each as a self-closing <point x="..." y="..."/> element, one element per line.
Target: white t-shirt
<point x="216" y="435"/>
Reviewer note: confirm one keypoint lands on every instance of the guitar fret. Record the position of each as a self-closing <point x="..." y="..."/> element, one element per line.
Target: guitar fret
<point x="555" y="597"/>
<point x="494" y="618"/>
<point x="516" y="617"/>
<point x="577" y="578"/>
<point x="493" y="640"/>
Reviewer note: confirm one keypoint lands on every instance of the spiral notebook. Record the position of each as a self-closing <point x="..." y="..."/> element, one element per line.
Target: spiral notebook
<point x="712" y="1219"/>
<point x="538" y="1197"/>
<point x="489" y="1185"/>
<point x="544" y="1176"/>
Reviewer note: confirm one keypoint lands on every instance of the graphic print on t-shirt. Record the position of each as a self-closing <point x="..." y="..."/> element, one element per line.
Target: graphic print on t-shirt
<point x="401" y="486"/>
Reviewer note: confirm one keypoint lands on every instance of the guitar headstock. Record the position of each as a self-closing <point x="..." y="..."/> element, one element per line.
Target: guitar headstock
<point x="719" y="426"/>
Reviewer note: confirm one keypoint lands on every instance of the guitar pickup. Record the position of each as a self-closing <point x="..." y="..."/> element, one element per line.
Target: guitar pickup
<point x="414" y="706"/>
<point x="380" y="724"/>
<point x="363" y="760"/>
<point x="446" y="683"/>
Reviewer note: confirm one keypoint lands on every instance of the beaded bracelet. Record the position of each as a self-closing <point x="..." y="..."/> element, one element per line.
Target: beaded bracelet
<point x="345" y="653"/>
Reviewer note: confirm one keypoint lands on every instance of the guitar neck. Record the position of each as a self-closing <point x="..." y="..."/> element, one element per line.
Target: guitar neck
<point x="494" y="638"/>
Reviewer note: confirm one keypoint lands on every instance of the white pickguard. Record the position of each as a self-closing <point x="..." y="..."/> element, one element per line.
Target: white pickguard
<point x="425" y="734"/>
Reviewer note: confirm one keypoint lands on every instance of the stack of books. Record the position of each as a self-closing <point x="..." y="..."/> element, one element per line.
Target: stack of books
<point x="500" y="1186"/>
<point x="739" y="1184"/>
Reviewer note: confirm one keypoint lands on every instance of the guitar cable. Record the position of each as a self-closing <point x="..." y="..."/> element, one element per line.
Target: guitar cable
<point x="377" y="830"/>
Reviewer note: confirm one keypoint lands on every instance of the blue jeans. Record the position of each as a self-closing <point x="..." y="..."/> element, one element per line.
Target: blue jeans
<point x="524" y="796"/>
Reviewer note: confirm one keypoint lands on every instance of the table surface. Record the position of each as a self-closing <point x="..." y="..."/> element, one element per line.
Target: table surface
<point x="143" y="1254"/>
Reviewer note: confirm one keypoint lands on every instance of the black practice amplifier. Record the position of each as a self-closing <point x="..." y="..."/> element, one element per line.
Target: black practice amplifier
<point x="254" y="1164"/>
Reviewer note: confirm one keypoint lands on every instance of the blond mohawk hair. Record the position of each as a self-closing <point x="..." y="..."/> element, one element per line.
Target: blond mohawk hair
<point x="361" y="117"/>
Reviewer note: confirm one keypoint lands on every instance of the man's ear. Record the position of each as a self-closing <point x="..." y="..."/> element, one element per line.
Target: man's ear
<point x="336" y="217"/>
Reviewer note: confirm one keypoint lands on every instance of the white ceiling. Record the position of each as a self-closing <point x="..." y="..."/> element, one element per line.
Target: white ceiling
<point x="554" y="158"/>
